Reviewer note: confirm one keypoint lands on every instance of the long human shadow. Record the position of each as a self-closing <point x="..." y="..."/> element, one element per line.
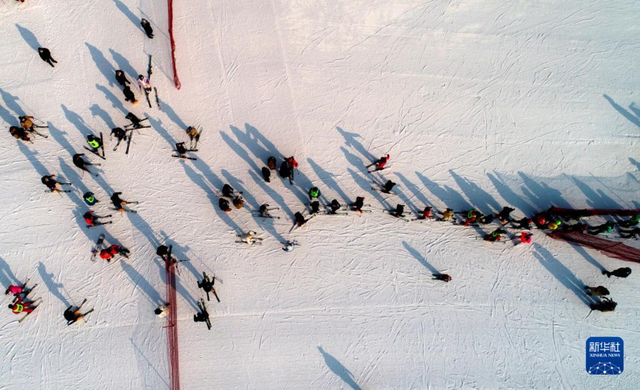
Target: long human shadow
<point x="29" y="37"/>
<point x="339" y="369"/>
<point x="7" y="117"/>
<point x="415" y="190"/>
<point x="355" y="161"/>
<point x="366" y="187"/>
<point x="418" y="256"/>
<point x="141" y="283"/>
<point x="130" y="15"/>
<point x="350" y="140"/>
<point x="77" y="121"/>
<point x="7" y="277"/>
<point x="447" y="195"/>
<point x="199" y="180"/>
<point x="328" y="179"/>
<point x="31" y="156"/>
<point x="171" y="113"/>
<point x="105" y="67"/>
<point x="156" y="124"/>
<point x="11" y="101"/>
<point x="635" y="163"/>
<point x="509" y="196"/>
<point x="476" y="195"/>
<point x="541" y="194"/>
<point x="588" y="257"/>
<point x="597" y="200"/>
<point x="630" y="116"/>
<point x="115" y="102"/>
<point x="563" y="274"/>
<point x="59" y="136"/>
<point x="53" y="287"/>
<point x="125" y="66"/>
<point x="96" y="110"/>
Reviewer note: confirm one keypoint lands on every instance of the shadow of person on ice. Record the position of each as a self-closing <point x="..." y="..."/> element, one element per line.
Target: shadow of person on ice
<point x="339" y="369"/>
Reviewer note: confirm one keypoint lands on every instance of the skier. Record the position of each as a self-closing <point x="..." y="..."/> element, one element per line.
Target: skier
<point x="380" y="163"/>
<point x="289" y="164"/>
<point x="285" y="171"/>
<point x="162" y="311"/>
<point x="26" y="122"/>
<point x="271" y="163"/>
<point x="163" y="251"/>
<point x="89" y="198"/>
<point x="181" y="149"/>
<point x="358" y="204"/>
<point x="504" y="215"/>
<point x="51" y="183"/>
<point x="388" y="187"/>
<point x="606" y="305"/>
<point x="447" y="214"/>
<point x="207" y="285"/>
<point x="633" y="221"/>
<point x="290" y="245"/>
<point x="22" y="307"/>
<point x="524" y="223"/>
<point x="121" y="78"/>
<point x="314" y="193"/>
<point x="266" y="174"/>
<point x="135" y="121"/>
<point x="144" y="84"/>
<point x="599" y="291"/>
<point x="45" y="54"/>
<point x="264" y="211"/>
<point x="334" y="206"/>
<point x="120" y="134"/>
<point x="542" y="219"/>
<point x="108" y="253"/>
<point x="315" y="207"/>
<point x="15" y="290"/>
<point x="634" y="233"/>
<point x="299" y="220"/>
<point x="146" y="26"/>
<point x="426" y="213"/>
<point x="19" y="133"/>
<point x="578" y="227"/>
<point x="129" y="96"/>
<point x="202" y="316"/>
<point x="80" y="163"/>
<point x="238" y="202"/>
<point x="472" y="216"/>
<point x="524" y="237"/>
<point x="604" y="228"/>
<point x="192" y="132"/>
<point x="224" y="205"/>
<point x="118" y="203"/>
<point x="444" y="277"/>
<point x="554" y="225"/>
<point x="93" y="220"/>
<point x="486" y="219"/>
<point x="249" y="237"/>
<point x="228" y="191"/>
<point x="620" y="272"/>
<point x="94" y="142"/>
<point x="398" y="212"/>
<point x="495" y="235"/>
<point x="73" y="315"/>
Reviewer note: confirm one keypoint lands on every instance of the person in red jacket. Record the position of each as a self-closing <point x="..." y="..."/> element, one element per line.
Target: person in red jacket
<point x="382" y="161"/>
<point x="93" y="220"/>
<point x="110" y="252"/>
<point x="21" y="307"/>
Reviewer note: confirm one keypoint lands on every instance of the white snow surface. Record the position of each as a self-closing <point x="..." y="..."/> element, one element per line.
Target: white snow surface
<point x="480" y="104"/>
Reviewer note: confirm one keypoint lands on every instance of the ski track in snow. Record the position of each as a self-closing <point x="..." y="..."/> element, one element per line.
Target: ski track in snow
<point x="479" y="104"/>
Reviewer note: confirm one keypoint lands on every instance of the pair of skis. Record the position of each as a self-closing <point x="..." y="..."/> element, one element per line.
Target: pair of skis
<point x="83" y="315"/>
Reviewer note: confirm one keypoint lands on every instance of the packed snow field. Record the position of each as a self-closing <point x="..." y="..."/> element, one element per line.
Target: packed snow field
<point x="480" y="104"/>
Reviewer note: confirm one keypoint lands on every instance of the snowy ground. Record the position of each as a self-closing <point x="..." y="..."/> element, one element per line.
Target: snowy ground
<point x="480" y="103"/>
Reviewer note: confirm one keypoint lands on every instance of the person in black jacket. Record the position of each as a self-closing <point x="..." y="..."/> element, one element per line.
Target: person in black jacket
<point x="147" y="28"/>
<point x="45" y="54"/>
<point x="121" y="78"/>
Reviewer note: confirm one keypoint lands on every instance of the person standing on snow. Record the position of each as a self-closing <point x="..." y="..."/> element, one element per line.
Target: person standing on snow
<point x="398" y="212"/>
<point x="94" y="142"/>
<point x="358" y="204"/>
<point x="299" y="219"/>
<point x="26" y="122"/>
<point x="136" y="122"/>
<point x="121" y="78"/>
<point x="633" y="221"/>
<point x="249" y="237"/>
<point x="387" y="188"/>
<point x="224" y="205"/>
<point x="604" y="228"/>
<point x="238" y="202"/>
<point x="505" y="215"/>
<point x="22" y="307"/>
<point x="162" y="311"/>
<point x="447" y="214"/>
<point x="108" y="253"/>
<point x="94" y="220"/>
<point x="79" y="162"/>
<point x="45" y="54"/>
<point x="620" y="272"/>
<point x="314" y="193"/>
<point x="117" y="202"/>
<point x="51" y="183"/>
<point x="146" y="26"/>
<point x="89" y="198"/>
<point x="144" y="84"/>
<point x="444" y="277"/>
<point x="426" y="213"/>
<point x="129" y="96"/>
<point x="19" y="133"/>
<point x="380" y="163"/>
<point x="334" y="206"/>
<point x="495" y="235"/>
